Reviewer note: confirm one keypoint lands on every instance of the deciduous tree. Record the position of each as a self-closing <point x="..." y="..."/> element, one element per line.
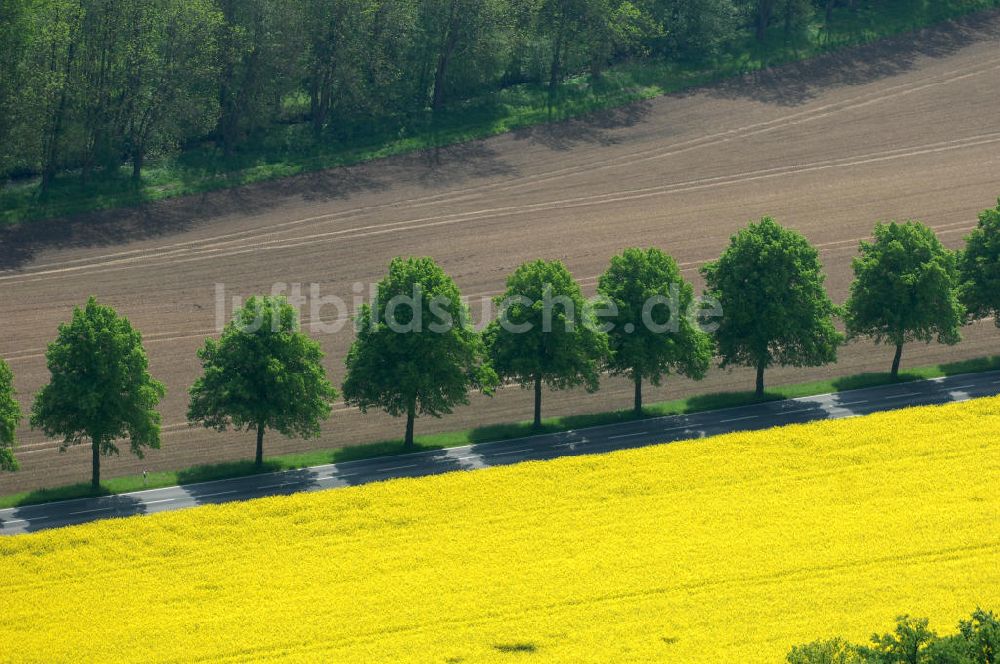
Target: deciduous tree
<point x="263" y="373"/>
<point x="653" y="331"/>
<point x="775" y="309"/>
<point x="100" y="389"/>
<point x="416" y="352"/>
<point x="10" y="416"/>
<point x="979" y="267"/>
<point x="905" y="289"/>
<point x="546" y="333"/>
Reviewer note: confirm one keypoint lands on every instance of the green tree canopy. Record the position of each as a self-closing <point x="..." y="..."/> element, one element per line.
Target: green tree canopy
<point x="10" y="416"/>
<point x="416" y="352"/>
<point x="652" y="332"/>
<point x="546" y="332"/>
<point x="775" y="309"/>
<point x="100" y="388"/>
<point x="979" y="266"/>
<point x="905" y="289"/>
<point x="263" y="373"/>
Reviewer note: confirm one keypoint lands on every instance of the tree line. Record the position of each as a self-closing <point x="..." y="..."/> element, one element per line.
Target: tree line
<point x="977" y="641"/>
<point x="767" y="289"/>
<point x="91" y="85"/>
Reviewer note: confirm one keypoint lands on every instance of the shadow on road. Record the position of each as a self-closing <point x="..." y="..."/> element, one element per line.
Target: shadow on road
<point x="84" y="511"/>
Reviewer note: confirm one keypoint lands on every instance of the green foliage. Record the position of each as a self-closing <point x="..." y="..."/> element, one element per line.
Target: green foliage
<point x="907" y="644"/>
<point x="979" y="266"/>
<point x="546" y="332"/>
<point x="10" y="416"/>
<point x="912" y="642"/>
<point x="263" y="373"/>
<point x="905" y="289"/>
<point x="635" y="281"/>
<point x="695" y="30"/>
<point x="832" y="651"/>
<point x="775" y="310"/>
<point x="982" y="633"/>
<point x="100" y="387"/>
<point x="198" y="95"/>
<point x="416" y="352"/>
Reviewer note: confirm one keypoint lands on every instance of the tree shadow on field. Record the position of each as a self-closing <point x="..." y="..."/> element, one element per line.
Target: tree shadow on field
<point x="796" y="83"/>
<point x="21" y="242"/>
<point x="595" y="128"/>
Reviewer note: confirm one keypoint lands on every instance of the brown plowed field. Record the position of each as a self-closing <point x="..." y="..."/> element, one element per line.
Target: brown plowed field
<point x="908" y="128"/>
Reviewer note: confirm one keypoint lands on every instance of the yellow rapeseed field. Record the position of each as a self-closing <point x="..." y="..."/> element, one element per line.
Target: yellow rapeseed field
<point x="730" y="549"/>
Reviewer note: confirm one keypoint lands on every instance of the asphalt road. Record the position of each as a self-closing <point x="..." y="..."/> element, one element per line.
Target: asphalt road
<point x="591" y="440"/>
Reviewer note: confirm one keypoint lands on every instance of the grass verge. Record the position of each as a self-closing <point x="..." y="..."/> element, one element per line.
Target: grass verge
<point x="494" y="432"/>
<point x="292" y="149"/>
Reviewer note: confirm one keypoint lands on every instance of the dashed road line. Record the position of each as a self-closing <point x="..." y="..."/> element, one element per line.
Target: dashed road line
<point x="34" y="518"/>
<point x="904" y="395"/>
<point x="218" y="493"/>
<point x="739" y="419"/>
<point x="629" y="435"/>
<point x="98" y="509"/>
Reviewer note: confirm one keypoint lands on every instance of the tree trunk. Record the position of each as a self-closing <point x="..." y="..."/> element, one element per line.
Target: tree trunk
<point x="51" y="140"/>
<point x="137" y="158"/>
<point x="764" y="9"/>
<point x="896" y="359"/>
<point x="410" y="417"/>
<point x="760" y="380"/>
<point x="95" y="464"/>
<point x="555" y="70"/>
<point x="638" y="394"/>
<point x="259" y="460"/>
<point x="538" y="402"/>
<point x="444" y="58"/>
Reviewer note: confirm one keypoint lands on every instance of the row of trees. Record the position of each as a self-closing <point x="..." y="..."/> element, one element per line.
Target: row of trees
<point x="977" y="641"/>
<point x="765" y="299"/>
<point x="92" y="84"/>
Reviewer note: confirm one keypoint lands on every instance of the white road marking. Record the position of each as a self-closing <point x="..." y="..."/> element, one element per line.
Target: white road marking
<point x="154" y="502"/>
<point x="904" y="395"/>
<point x="220" y="493"/>
<point x="335" y="477"/>
<point x="99" y="509"/>
<point x="851" y="403"/>
<point x="739" y="419"/>
<point x="629" y="435"/>
<point x="386" y="470"/>
<point x="959" y="387"/>
<point x="34" y="518"/>
<point x="793" y="412"/>
<point x="276" y="486"/>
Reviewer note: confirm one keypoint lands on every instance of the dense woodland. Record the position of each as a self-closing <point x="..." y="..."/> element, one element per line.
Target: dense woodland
<point x="90" y="86"/>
